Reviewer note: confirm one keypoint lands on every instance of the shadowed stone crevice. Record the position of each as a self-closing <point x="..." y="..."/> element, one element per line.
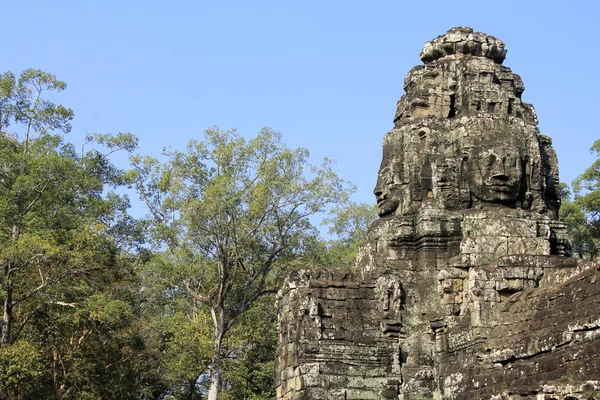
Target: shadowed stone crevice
<point x="464" y="287"/>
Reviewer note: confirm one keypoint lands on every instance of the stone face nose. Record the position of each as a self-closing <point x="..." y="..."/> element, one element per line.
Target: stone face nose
<point x="498" y="170"/>
<point x="378" y="190"/>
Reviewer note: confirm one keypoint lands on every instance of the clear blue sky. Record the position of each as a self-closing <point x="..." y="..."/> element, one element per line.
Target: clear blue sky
<point x="326" y="74"/>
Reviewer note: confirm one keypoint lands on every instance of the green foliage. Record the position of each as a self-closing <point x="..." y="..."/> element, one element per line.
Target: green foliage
<point x="182" y="330"/>
<point x="97" y="305"/>
<point x="20" y="367"/>
<point x="250" y="362"/>
<point x="583" y="235"/>
<point x="111" y="313"/>
<point x="582" y="213"/>
<point x="66" y="283"/>
<point x="545" y="139"/>
<point x="22" y="101"/>
<point x="349" y="224"/>
<point x="231" y="214"/>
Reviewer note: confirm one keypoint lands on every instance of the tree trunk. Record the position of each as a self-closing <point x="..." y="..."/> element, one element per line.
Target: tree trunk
<point x="7" y="311"/>
<point x="215" y="372"/>
<point x="190" y="395"/>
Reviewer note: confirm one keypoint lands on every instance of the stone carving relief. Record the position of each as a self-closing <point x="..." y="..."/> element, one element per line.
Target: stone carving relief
<point x="388" y="291"/>
<point x="463" y="288"/>
<point x="464" y="105"/>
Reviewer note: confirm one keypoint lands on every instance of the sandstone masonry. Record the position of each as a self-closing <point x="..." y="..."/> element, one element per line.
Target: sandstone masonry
<point x="464" y="287"/>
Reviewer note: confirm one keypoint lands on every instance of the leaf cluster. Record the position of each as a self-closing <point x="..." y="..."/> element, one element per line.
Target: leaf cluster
<point x="581" y="211"/>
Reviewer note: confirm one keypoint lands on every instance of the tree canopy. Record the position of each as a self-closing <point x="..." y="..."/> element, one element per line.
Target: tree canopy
<point x="581" y="209"/>
<point x="230" y="213"/>
<point x="65" y="312"/>
<point x="179" y="304"/>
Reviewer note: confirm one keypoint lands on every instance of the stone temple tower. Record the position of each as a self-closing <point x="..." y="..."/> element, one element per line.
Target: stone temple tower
<point x="464" y="288"/>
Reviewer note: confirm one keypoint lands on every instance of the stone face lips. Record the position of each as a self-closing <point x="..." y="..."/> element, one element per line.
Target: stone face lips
<point x="464" y="288"/>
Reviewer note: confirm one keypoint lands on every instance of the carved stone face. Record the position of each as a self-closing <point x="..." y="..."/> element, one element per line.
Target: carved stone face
<point x="495" y="175"/>
<point x="387" y="193"/>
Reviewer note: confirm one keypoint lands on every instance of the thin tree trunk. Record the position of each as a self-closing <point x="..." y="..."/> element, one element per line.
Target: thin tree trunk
<point x="215" y="372"/>
<point x="7" y="313"/>
<point x="192" y="390"/>
<point x="54" y="368"/>
<point x="7" y="309"/>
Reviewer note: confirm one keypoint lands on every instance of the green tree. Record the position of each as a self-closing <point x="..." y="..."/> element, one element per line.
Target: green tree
<point x="348" y="224"/>
<point x="60" y="246"/>
<point x="22" y="366"/>
<point x="250" y="361"/>
<point x="582" y="213"/>
<point x="181" y="328"/>
<point x="231" y="213"/>
<point x="25" y="178"/>
<point x="583" y="235"/>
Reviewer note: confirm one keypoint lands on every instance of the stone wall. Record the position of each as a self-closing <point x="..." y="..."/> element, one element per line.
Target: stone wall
<point x="338" y="336"/>
<point x="544" y="342"/>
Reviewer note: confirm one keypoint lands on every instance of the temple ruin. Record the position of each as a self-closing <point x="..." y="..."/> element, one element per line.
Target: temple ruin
<point x="464" y="287"/>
